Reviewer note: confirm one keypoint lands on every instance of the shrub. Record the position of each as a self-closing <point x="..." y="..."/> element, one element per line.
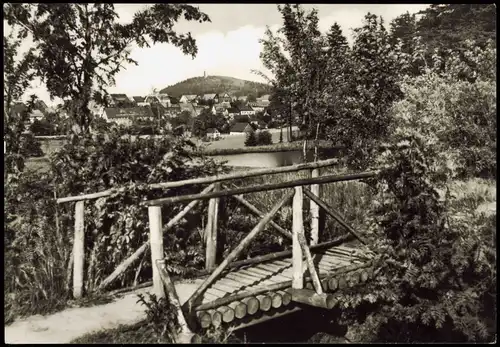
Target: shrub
<point x="437" y="275"/>
<point x="161" y="317"/>
<point x="457" y="107"/>
<point x="31" y="147"/>
<point x="251" y="139"/>
<point x="264" y="137"/>
<point x="37" y="248"/>
<point x="42" y="128"/>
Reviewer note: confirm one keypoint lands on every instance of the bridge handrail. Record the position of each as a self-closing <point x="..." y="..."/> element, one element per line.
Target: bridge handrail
<point x="207" y="180"/>
<point x="260" y="188"/>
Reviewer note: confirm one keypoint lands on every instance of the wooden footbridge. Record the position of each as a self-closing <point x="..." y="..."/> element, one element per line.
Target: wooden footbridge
<point x="247" y="292"/>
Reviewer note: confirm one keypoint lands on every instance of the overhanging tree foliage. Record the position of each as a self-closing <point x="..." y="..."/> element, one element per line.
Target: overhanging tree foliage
<point x="18" y="74"/>
<point x="81" y="47"/>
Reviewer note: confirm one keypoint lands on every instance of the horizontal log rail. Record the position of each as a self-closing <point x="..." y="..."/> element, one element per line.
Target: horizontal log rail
<point x="261" y="188"/>
<point x="207" y="180"/>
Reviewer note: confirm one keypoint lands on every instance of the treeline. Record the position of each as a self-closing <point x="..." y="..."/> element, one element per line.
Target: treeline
<point x="351" y="92"/>
<point x="217" y="84"/>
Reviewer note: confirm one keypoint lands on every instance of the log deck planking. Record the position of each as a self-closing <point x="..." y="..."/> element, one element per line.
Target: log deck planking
<point x="247" y="278"/>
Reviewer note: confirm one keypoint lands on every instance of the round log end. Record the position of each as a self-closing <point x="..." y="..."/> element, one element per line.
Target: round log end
<point x="252" y="305"/>
<point x="227" y="314"/>
<point x="196" y="339"/>
<point x="216" y="319"/>
<point x="333" y="284"/>
<point x="324" y="284"/>
<point x="265" y="302"/>
<point x="330" y="301"/>
<point x="342" y="282"/>
<point x="276" y="300"/>
<point x="286" y="298"/>
<point x="205" y="319"/>
<point x="364" y="276"/>
<point x="354" y="278"/>
<point x="239" y="308"/>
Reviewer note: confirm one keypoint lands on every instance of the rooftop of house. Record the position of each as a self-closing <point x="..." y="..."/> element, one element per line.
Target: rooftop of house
<point x="258" y="104"/>
<point x="264" y="97"/>
<point x="139" y="98"/>
<point x="212" y="131"/>
<point x="117" y="112"/>
<point x="36" y="114"/>
<point x="209" y="96"/>
<point x="190" y="96"/>
<point x="19" y="107"/>
<point x="240" y="127"/>
<point x="243" y="98"/>
<point x="119" y="96"/>
<point x="233" y="110"/>
<point x="175" y="107"/>
<point x="245" y="108"/>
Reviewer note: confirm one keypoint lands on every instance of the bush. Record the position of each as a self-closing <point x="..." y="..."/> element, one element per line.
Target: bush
<point x="31" y="147"/>
<point x="37" y="249"/>
<point x="460" y="116"/>
<point x="438" y="273"/>
<point x="42" y="128"/>
<point x="457" y="107"/>
<point x="251" y="139"/>
<point x="264" y="137"/>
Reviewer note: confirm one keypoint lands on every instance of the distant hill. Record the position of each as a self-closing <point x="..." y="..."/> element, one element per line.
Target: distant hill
<point x="217" y="84"/>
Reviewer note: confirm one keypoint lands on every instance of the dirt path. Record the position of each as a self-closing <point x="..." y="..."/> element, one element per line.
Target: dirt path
<point x="65" y="326"/>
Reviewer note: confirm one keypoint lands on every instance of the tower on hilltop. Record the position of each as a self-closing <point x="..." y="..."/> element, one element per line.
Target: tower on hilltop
<point x="204" y="74"/>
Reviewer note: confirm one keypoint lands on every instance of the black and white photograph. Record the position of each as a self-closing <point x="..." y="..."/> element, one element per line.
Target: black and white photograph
<point x="248" y="173"/>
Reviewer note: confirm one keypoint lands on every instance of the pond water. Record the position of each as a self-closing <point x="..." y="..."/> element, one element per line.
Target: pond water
<point x="273" y="159"/>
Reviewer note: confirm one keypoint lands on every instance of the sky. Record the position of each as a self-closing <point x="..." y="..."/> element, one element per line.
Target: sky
<point x="227" y="46"/>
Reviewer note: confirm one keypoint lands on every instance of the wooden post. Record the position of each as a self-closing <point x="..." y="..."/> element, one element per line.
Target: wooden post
<point x="211" y="232"/>
<point x="297" y="228"/>
<point x="156" y="240"/>
<point x="314" y="210"/>
<point x="78" y="249"/>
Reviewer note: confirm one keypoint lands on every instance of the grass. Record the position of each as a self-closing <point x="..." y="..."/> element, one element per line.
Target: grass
<point x="144" y="333"/>
<point x="139" y="333"/>
<point x="275" y="147"/>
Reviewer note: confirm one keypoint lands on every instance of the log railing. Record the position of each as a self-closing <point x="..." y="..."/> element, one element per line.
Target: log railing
<point x="213" y="192"/>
